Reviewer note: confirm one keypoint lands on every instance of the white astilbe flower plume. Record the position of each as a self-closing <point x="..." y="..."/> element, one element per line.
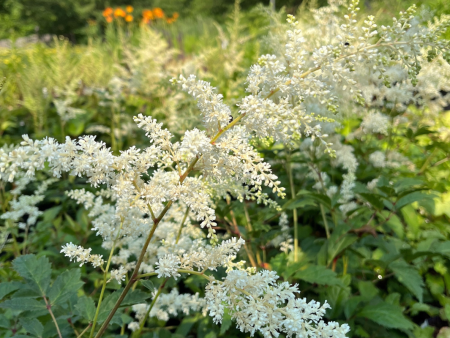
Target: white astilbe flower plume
<point x="171" y="304"/>
<point x="81" y="255"/>
<point x="168" y="266"/>
<point x="259" y="304"/>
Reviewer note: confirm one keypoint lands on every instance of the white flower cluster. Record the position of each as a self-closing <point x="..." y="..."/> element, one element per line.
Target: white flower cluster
<point x="82" y="255"/>
<point x="168" y="266"/>
<point x="284" y="239"/>
<point x="167" y="305"/>
<point x="375" y="123"/>
<point x="26" y="204"/>
<point x="259" y="304"/>
<point x="119" y="274"/>
<point x="390" y="159"/>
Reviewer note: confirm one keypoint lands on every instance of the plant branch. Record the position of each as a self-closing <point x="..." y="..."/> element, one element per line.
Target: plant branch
<point x="105" y="274"/>
<point x="49" y="308"/>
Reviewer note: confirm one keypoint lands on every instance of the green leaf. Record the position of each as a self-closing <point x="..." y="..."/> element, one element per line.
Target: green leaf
<point x="4" y="322"/>
<point x="442" y="248"/>
<point x="386" y="315"/>
<point x="367" y="290"/>
<point x="409" y="277"/>
<point x="351" y="305"/>
<point x="411" y="198"/>
<point x="33" y="326"/>
<point x="107" y="305"/>
<point x="8" y="287"/>
<point x="64" y="286"/>
<point x="226" y="322"/>
<point x="186" y="324"/>
<point x="323" y="199"/>
<point x="23" y="304"/>
<point x="336" y="246"/>
<point x="51" y="213"/>
<point x="148" y="284"/>
<point x="318" y="274"/>
<point x="35" y="270"/>
<point x="395" y="224"/>
<point x="135" y="297"/>
<point x="298" y="202"/>
<point x="85" y="308"/>
<point x="375" y="200"/>
<point x="407" y="183"/>
<point x="447" y="311"/>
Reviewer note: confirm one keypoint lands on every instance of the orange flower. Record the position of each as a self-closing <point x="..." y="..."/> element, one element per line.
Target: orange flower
<point x="147" y="14"/>
<point x="175" y="15"/>
<point x="129" y="18"/>
<point x="119" y="12"/>
<point x="107" y="12"/>
<point x="109" y="19"/>
<point x="158" y="13"/>
<point x="170" y="20"/>
<point x="129" y="9"/>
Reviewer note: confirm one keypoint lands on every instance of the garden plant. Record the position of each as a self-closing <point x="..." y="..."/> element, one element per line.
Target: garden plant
<point x="310" y="199"/>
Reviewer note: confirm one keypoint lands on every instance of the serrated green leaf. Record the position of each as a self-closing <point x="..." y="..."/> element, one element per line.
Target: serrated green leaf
<point x="23" y="304"/>
<point x="85" y="308"/>
<point x="66" y="284"/>
<point x="409" y="277"/>
<point x="367" y="290"/>
<point x="395" y="224"/>
<point x="8" y="287"/>
<point x="37" y="271"/>
<point x="442" y="248"/>
<point x="318" y="274"/>
<point x="4" y="322"/>
<point x="386" y="315"/>
<point x="411" y="198"/>
<point x="351" y="305"/>
<point x="33" y="326"/>
<point x="407" y="183"/>
<point x="336" y="246"/>
<point x="135" y="297"/>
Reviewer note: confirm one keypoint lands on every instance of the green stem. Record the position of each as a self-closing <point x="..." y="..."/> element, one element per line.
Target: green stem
<point x="182" y="224"/>
<point x="229" y="125"/>
<point x="85" y="330"/>
<point x="113" y="137"/>
<point x="135" y="273"/>
<point x="327" y="230"/>
<point x="49" y="308"/>
<point x="141" y="326"/>
<point x="105" y="274"/>
<point x="144" y="275"/>
<point x="294" y="211"/>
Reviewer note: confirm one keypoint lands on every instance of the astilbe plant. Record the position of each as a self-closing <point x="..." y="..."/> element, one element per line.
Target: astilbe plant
<point x="152" y="197"/>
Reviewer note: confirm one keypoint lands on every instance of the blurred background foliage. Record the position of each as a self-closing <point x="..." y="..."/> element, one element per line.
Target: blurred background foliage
<point x="73" y="18"/>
